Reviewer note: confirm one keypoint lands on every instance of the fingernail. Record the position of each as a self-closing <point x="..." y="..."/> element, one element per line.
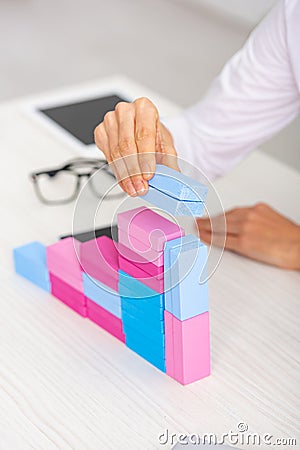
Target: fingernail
<point x="146" y="170"/>
<point x="130" y="188"/>
<point x="140" y="187"/>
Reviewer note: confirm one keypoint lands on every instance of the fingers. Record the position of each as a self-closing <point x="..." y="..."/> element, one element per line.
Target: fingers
<point x="231" y="242"/>
<point x="209" y="234"/>
<point x="228" y="241"/>
<point x="220" y="224"/>
<point x="145" y="135"/>
<point x="222" y="230"/>
<point x="228" y="230"/>
<point x="127" y="147"/>
<point x="101" y="140"/>
<point x="205" y="236"/>
<point x="131" y="137"/>
<point x="104" y="140"/>
<point x="113" y="154"/>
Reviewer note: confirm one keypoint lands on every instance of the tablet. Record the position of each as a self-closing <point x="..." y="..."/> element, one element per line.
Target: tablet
<point x="71" y="113"/>
<point x="74" y="121"/>
<point x="81" y="118"/>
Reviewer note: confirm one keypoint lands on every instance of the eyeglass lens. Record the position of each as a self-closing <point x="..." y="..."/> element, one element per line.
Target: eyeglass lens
<point x="63" y="185"/>
<point x="59" y="188"/>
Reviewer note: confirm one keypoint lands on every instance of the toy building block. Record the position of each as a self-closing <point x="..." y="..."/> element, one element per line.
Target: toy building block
<point x="187" y="348"/>
<point x="185" y="294"/>
<point x="138" y="290"/>
<point x="69" y="295"/>
<point x="147" y="266"/>
<point x="177" y="185"/>
<point x="176" y="193"/>
<point x="169" y="344"/>
<point x="105" y="319"/>
<point x="143" y="310"/>
<point x="140" y="249"/>
<point x="153" y="330"/>
<point x="143" y="319"/>
<point x="147" y="349"/>
<point x="63" y="262"/>
<point x="99" y="259"/>
<point x="141" y="302"/>
<point x="100" y="294"/>
<point x="155" y="283"/>
<point x="149" y="227"/>
<point x="172" y="205"/>
<point x="30" y="262"/>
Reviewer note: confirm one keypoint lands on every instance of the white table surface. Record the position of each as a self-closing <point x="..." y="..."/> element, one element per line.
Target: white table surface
<point x="67" y="384"/>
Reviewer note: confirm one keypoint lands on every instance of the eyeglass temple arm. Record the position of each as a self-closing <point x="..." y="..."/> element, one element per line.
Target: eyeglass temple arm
<point x="53" y="172"/>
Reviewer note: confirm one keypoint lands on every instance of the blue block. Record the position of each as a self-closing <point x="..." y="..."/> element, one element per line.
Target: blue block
<point x="147" y="349"/>
<point x="177" y="185"/>
<point x="102" y="295"/>
<point x="143" y="310"/>
<point x="30" y="262"/>
<point x="171" y="205"/>
<point x="143" y="342"/>
<point x="146" y="304"/>
<point x="153" y="330"/>
<point x="157" y="339"/>
<point x="185" y="260"/>
<point x="133" y="288"/>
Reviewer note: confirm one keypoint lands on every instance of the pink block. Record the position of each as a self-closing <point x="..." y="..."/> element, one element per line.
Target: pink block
<point x="149" y="227"/>
<point x="99" y="259"/>
<point x="138" y="260"/>
<point x="169" y="344"/>
<point x="155" y="283"/>
<point x="105" y="320"/>
<point x="141" y="249"/>
<point x="63" y="261"/>
<point x="190" y="359"/>
<point x="68" y="295"/>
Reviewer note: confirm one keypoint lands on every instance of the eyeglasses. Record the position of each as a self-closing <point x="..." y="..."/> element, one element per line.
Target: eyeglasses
<point x="62" y="184"/>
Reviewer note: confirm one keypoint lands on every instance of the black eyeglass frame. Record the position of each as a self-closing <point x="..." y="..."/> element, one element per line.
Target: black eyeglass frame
<point x="70" y="166"/>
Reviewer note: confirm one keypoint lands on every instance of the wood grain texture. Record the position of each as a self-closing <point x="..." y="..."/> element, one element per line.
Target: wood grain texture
<point x="66" y="384"/>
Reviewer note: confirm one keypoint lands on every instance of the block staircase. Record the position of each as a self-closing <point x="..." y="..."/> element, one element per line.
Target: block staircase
<point x="144" y="289"/>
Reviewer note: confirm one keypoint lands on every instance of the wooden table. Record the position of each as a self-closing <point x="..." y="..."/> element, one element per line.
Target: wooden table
<point x="67" y="384"/>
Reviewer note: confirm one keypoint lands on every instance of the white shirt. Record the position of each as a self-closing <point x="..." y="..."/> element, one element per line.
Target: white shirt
<point x="256" y="95"/>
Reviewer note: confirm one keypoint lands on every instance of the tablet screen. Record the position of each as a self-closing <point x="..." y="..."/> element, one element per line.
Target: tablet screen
<point x="80" y="119"/>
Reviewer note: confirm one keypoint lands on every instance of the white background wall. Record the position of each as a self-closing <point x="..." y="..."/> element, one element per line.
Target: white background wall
<point x="172" y="46"/>
<point x="247" y="12"/>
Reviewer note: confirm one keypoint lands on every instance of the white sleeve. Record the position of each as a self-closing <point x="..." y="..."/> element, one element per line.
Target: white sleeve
<point x="255" y="96"/>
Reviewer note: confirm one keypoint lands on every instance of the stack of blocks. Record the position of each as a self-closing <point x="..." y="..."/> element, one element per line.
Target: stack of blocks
<point x="99" y="259"/>
<point x="145" y="290"/>
<point x="186" y="310"/>
<point x="142" y="236"/>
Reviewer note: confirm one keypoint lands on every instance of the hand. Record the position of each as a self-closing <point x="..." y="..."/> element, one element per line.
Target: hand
<point x="133" y="139"/>
<point x="258" y="232"/>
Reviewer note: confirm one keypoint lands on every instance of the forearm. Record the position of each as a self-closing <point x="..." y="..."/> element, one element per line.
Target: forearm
<point x="254" y="97"/>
